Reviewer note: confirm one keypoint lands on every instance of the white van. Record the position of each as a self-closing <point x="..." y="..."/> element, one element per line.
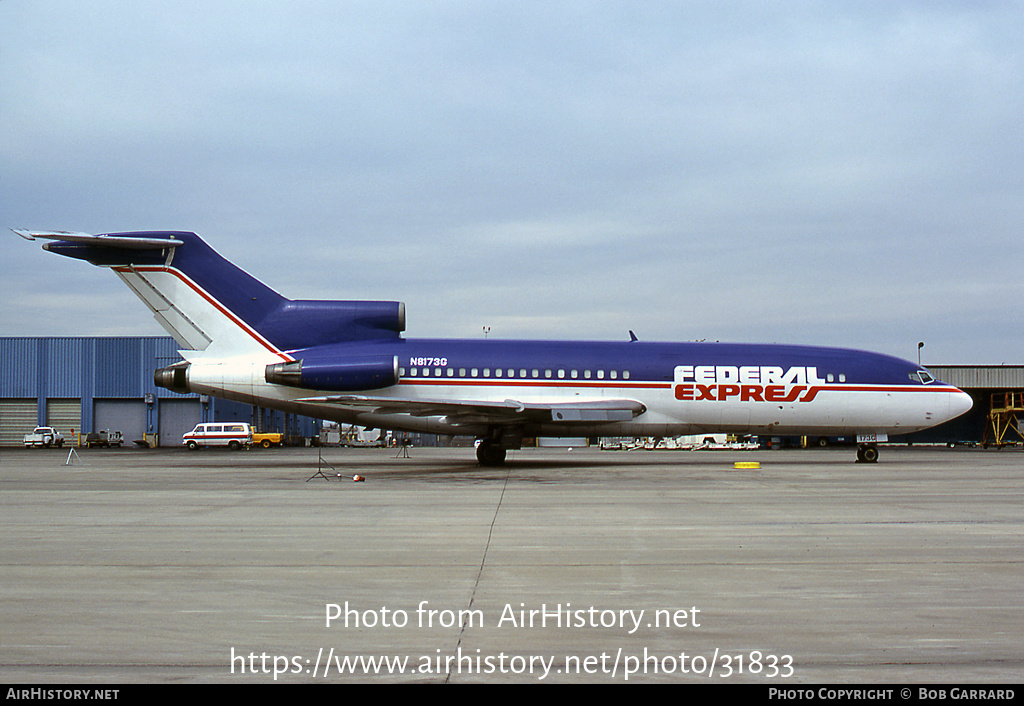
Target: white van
<point x="232" y="434"/>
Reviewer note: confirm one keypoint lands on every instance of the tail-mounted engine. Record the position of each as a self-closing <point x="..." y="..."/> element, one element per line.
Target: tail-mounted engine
<point x="173" y="378"/>
<point x="352" y="374"/>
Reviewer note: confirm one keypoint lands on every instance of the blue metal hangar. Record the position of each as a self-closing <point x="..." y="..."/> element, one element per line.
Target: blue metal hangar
<point x="94" y="384"/>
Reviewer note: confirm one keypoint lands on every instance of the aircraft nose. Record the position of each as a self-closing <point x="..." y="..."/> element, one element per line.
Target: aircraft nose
<point x="959" y="403"/>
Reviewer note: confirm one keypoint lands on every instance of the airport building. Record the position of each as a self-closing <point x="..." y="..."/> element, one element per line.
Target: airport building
<point x="997" y="416"/>
<point x="106" y="383"/>
<point x="93" y="384"/>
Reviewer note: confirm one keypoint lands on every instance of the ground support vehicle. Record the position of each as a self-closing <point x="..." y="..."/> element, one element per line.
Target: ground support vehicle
<point x="44" y="437"/>
<point x="266" y="439"/>
<point x="104" y="439"/>
<point x="234" y="435"/>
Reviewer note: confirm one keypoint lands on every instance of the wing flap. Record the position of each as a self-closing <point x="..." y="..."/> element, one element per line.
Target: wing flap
<point x="492" y="412"/>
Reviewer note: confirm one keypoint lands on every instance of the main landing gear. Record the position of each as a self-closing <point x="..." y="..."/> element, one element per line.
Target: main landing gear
<point x="491" y="447"/>
<point x="867" y="453"/>
<point x="490" y="452"/>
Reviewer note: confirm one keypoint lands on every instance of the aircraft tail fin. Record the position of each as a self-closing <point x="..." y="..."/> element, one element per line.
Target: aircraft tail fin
<point x="209" y="304"/>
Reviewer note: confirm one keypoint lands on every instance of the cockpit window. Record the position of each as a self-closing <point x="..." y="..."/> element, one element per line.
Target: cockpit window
<point x="922" y="376"/>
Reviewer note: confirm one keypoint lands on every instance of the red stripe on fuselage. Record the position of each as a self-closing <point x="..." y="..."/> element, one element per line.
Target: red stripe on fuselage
<point x="813" y="392"/>
<point x="512" y="382"/>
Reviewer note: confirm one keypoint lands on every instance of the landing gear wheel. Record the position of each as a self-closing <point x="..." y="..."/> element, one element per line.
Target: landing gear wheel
<point x="490" y="453"/>
<point x="867" y="454"/>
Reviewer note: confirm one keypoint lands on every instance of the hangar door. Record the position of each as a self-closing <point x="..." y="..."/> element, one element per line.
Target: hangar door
<point x="65" y="415"/>
<point x="176" y="418"/>
<point x="17" y="418"/>
<point x="125" y="416"/>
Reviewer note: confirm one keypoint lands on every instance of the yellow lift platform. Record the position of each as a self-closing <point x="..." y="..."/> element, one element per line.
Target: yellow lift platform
<point x="1005" y="420"/>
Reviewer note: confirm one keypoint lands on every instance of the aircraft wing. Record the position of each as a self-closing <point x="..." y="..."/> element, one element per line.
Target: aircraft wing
<point x="505" y="412"/>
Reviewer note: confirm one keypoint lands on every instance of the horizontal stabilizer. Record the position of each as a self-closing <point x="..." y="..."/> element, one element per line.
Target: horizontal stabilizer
<point x="103" y="241"/>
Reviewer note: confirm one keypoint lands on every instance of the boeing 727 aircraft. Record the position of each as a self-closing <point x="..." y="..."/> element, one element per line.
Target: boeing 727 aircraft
<point x="347" y="361"/>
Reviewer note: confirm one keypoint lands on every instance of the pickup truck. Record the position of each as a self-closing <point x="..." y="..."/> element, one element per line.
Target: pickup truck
<point x="45" y="437"/>
<point x="266" y="439"/>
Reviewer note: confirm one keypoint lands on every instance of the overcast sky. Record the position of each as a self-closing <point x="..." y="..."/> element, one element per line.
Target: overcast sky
<point x="835" y="173"/>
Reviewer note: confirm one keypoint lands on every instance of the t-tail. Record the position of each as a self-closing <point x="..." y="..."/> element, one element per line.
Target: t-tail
<point x="211" y="307"/>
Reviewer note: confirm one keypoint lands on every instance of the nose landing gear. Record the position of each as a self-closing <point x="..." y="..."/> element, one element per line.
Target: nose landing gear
<point x="867" y="453"/>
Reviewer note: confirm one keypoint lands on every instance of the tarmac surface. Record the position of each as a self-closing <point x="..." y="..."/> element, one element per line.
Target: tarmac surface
<point x="139" y="566"/>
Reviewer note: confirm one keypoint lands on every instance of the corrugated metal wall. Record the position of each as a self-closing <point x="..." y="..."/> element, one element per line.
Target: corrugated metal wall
<point x="978" y="377"/>
<point x="84" y="367"/>
<point x="19" y="372"/>
<point x="121" y="379"/>
<point x="64" y="363"/>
